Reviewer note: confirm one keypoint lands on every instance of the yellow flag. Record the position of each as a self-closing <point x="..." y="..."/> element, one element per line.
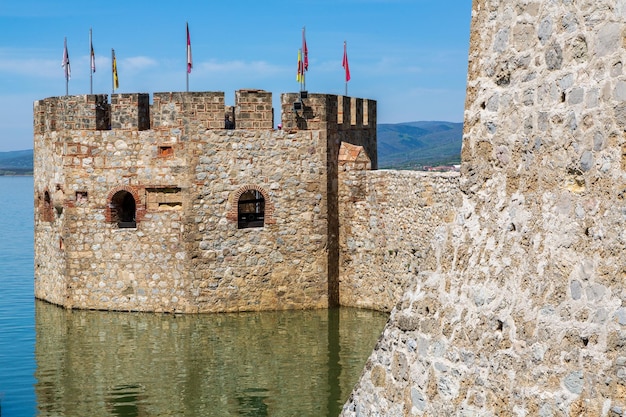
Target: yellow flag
<point x="300" y="75"/>
<point x="116" y="82"/>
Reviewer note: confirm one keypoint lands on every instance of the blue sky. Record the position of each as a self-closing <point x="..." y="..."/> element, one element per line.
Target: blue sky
<point x="409" y="55"/>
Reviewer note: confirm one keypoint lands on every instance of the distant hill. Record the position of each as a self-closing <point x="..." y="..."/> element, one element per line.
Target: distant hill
<point x="400" y="146"/>
<point x="16" y="162"/>
<point x="415" y="144"/>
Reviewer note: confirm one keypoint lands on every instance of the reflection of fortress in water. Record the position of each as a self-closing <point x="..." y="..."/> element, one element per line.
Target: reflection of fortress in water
<point x="115" y="364"/>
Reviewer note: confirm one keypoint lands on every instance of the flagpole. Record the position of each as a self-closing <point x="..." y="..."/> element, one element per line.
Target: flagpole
<point x="187" y="58"/>
<point x="304" y="52"/>
<point x="112" y="72"/>
<point x="90" y="69"/>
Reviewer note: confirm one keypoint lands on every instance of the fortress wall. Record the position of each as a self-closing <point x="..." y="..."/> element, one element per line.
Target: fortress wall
<point x="530" y="319"/>
<point x="282" y="265"/>
<point x="50" y="267"/>
<point x="393" y="228"/>
<point x="322" y="112"/>
<point x="107" y="267"/>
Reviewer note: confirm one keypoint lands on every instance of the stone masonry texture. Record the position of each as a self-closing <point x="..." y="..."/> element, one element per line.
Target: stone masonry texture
<point x="522" y="312"/>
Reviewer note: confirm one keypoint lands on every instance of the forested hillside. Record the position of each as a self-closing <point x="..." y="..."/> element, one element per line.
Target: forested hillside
<point x="416" y="144"/>
<point x="16" y="162"/>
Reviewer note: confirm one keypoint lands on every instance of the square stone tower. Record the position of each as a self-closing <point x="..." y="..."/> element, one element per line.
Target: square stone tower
<point x="166" y="207"/>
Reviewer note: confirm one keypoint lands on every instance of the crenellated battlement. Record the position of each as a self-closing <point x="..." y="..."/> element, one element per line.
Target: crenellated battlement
<point x="84" y="112"/>
<point x="200" y="111"/>
<point x="327" y="111"/>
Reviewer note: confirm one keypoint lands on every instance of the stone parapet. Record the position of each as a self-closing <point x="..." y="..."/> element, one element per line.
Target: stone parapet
<point x="253" y="109"/>
<point x="194" y="112"/>
<point x="85" y="112"/>
<point x="130" y="111"/>
<point x="346" y="119"/>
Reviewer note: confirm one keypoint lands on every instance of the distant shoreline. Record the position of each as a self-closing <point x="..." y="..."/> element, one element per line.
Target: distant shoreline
<point x="2" y="174"/>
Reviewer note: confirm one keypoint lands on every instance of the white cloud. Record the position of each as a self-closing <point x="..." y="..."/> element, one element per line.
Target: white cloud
<point x="136" y="63"/>
<point x="30" y="67"/>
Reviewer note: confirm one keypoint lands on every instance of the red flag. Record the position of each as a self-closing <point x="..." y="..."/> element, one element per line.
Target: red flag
<point x="305" y="52"/>
<point x="189" y="60"/>
<point x="344" y="64"/>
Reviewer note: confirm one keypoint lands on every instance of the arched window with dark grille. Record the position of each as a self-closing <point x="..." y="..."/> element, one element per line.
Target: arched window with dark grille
<point x="123" y="210"/>
<point x="251" y="210"/>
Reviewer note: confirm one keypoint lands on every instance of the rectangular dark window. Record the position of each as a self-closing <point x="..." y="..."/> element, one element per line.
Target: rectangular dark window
<point x="165" y="151"/>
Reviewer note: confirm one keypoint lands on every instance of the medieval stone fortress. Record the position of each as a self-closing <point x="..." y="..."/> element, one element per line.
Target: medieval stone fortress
<point x="506" y="283"/>
<point x="159" y="207"/>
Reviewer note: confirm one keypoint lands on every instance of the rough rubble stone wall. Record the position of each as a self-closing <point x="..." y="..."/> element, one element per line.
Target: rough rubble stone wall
<point x="392" y="226"/>
<point x="530" y="316"/>
<point x="107" y="267"/>
<point x="280" y="266"/>
<point x="50" y="282"/>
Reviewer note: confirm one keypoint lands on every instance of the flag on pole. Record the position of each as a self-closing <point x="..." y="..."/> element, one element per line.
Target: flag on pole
<point x="189" y="60"/>
<point x="93" y="58"/>
<point x="300" y="75"/>
<point x="344" y="64"/>
<point x="116" y="81"/>
<point x="66" y="61"/>
<point x="305" y="52"/>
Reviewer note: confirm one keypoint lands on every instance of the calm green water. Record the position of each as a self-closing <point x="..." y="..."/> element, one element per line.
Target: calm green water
<point x="55" y="362"/>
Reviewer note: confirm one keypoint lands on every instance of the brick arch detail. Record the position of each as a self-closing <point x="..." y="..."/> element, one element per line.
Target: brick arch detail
<point x="139" y="208"/>
<point x="232" y="215"/>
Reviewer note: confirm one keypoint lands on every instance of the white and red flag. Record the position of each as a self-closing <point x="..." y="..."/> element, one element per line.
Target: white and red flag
<point x="66" y="61"/>
<point x="189" y="60"/>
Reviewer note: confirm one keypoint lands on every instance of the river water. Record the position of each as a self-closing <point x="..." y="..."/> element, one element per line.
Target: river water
<point x="55" y="362"/>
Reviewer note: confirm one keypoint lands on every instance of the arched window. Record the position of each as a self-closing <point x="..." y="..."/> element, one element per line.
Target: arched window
<point x="47" y="213"/>
<point x="123" y="209"/>
<point x="251" y="210"/>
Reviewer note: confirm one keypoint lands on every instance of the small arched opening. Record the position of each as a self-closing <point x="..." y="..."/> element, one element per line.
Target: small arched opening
<point x="123" y="210"/>
<point x="47" y="212"/>
<point x="251" y="210"/>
